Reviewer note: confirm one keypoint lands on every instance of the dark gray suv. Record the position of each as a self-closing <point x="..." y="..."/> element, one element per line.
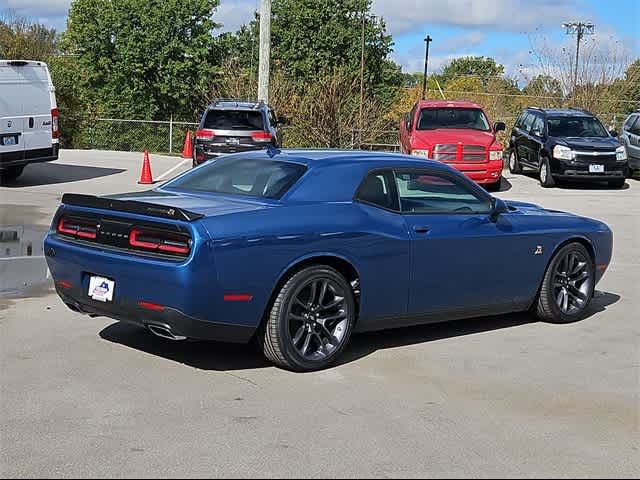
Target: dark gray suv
<point x="231" y="126"/>
<point x="630" y="138"/>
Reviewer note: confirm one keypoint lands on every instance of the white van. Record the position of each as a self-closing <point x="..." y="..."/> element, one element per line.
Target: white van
<point x="28" y="116"/>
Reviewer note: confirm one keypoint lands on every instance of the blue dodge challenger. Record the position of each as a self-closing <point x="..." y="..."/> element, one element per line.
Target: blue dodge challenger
<point x="300" y="249"/>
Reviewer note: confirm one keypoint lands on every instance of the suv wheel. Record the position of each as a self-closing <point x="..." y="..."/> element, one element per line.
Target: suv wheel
<point x="544" y="174"/>
<point x="514" y="163"/>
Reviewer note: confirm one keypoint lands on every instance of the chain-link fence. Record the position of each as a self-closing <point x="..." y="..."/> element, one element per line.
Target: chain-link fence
<point x="125" y="135"/>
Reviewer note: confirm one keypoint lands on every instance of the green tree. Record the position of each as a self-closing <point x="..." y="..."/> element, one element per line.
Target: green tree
<point x="483" y="68"/>
<point x="309" y="37"/>
<point x="543" y="85"/>
<point x="144" y="58"/>
<point x="22" y="39"/>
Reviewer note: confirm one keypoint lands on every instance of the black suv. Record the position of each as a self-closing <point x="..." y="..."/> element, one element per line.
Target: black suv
<point x="566" y="144"/>
<point x="230" y="126"/>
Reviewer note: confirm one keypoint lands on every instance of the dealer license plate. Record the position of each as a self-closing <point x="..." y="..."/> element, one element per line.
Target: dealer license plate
<point x="596" y="168"/>
<point x="101" y="289"/>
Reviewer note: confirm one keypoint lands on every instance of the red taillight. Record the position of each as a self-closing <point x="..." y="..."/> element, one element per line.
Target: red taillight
<point x="75" y="227"/>
<point x="64" y="284"/>
<point x="261" y="136"/>
<point x="55" y="132"/>
<point x="205" y="134"/>
<point x="241" y="297"/>
<point x="159" y="241"/>
<point x="199" y="157"/>
<point x="152" y="306"/>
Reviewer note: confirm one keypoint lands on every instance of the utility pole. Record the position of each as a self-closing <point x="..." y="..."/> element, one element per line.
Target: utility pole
<point x="427" y="40"/>
<point x="265" y="50"/>
<point x="579" y="29"/>
<point x="361" y="79"/>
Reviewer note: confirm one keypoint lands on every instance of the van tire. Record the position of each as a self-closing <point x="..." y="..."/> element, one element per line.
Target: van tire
<point x="10" y="174"/>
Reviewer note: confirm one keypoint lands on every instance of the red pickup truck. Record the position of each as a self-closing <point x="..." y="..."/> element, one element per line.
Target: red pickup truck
<point x="457" y="133"/>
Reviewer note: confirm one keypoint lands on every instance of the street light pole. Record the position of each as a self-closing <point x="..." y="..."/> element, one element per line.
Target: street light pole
<point x="579" y="29"/>
<point x="427" y="40"/>
<point x="265" y="51"/>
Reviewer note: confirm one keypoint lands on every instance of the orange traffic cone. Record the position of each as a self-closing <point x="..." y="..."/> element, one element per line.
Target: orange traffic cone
<point x="145" y="176"/>
<point x="187" y="150"/>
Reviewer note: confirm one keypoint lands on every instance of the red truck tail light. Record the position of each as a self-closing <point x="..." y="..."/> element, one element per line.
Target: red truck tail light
<point x="77" y="227"/>
<point x="205" y="134"/>
<point x="55" y="132"/>
<point x="159" y="241"/>
<point x="261" y="137"/>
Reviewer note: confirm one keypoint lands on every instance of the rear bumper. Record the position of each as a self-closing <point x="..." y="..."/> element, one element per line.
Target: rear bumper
<point x="180" y="324"/>
<point x="211" y="151"/>
<point x="483" y="173"/>
<point x="8" y="160"/>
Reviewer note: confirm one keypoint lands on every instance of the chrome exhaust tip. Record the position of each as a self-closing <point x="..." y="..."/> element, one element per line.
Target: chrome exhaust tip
<point x="164" y="331"/>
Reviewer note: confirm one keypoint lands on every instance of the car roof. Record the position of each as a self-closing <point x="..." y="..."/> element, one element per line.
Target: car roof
<point x="236" y="105"/>
<point x="314" y="158"/>
<point x="562" y="112"/>
<point x="447" y="104"/>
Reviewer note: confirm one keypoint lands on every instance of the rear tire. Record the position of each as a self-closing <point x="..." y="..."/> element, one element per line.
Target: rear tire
<point x="567" y="287"/>
<point x="544" y="174"/>
<point x="514" y="163"/>
<point x="311" y="320"/>
<point x="10" y="174"/>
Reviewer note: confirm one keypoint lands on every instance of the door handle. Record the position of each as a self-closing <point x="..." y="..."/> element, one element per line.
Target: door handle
<point x="421" y="229"/>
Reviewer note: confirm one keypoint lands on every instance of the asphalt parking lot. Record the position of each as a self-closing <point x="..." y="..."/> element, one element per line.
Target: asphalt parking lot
<point x="490" y="397"/>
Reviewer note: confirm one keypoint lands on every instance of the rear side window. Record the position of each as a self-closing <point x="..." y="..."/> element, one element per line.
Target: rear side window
<point x="234" y="120"/>
<point x="241" y="176"/>
<point x="426" y="192"/>
<point x="376" y="190"/>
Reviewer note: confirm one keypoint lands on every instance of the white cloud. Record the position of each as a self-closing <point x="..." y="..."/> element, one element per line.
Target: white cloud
<point x="233" y="14"/>
<point x="511" y="15"/>
<point x="37" y="8"/>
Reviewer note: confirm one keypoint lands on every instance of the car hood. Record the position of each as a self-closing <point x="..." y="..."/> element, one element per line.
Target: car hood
<point x="203" y="203"/>
<point x="526" y="208"/>
<point x="590" y="143"/>
<point x="429" y="138"/>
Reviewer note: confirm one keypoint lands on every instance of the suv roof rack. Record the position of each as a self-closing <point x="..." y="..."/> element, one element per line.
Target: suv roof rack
<point x="583" y="110"/>
<point x="237" y="101"/>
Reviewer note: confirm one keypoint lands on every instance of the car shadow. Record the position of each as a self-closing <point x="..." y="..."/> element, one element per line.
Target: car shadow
<point x="51" y="173"/>
<point x="579" y="185"/>
<point x="217" y="356"/>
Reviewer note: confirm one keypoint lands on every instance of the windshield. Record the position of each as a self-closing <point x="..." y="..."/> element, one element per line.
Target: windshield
<point x="234" y="120"/>
<point x="241" y="176"/>
<point x="576" y="127"/>
<point x="473" y="118"/>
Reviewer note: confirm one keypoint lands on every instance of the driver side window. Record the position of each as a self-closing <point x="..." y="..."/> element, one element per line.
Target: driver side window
<point x="431" y="193"/>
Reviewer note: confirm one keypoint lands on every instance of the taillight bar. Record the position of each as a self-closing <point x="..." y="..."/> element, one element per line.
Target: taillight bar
<point x="159" y="241"/>
<point x="205" y="134"/>
<point x="77" y="228"/>
<point x="55" y="131"/>
<point x="261" y="136"/>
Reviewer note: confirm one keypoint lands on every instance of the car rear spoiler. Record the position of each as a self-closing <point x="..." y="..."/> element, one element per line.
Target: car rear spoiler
<point x="132" y="206"/>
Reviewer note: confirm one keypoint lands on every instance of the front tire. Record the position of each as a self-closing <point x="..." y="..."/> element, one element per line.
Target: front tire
<point x="514" y="163"/>
<point x="567" y="287"/>
<point x="544" y="174"/>
<point x="311" y="320"/>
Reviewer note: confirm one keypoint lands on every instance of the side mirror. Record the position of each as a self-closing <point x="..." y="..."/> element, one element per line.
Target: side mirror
<point x="613" y="132"/>
<point x="497" y="207"/>
<point x="282" y="120"/>
<point x="537" y="132"/>
<point x="499" y="126"/>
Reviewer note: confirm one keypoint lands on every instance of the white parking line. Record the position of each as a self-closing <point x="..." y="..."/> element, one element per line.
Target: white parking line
<point x="173" y="169"/>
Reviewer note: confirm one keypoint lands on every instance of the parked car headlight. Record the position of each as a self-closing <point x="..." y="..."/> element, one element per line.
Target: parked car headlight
<point x="495" y="155"/>
<point x="563" y="153"/>
<point x="621" y="154"/>
<point x="420" y="153"/>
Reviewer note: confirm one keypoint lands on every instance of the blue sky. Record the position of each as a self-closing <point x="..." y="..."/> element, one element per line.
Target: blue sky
<point x="507" y="30"/>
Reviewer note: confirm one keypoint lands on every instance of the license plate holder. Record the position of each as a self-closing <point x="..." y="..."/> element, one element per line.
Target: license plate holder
<point x="596" y="168"/>
<point x="101" y="288"/>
